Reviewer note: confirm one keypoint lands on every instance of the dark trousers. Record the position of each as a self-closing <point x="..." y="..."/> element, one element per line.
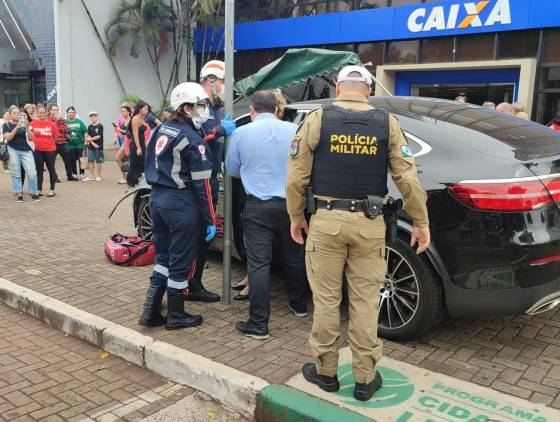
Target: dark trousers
<point x="175" y="231"/>
<point x="74" y="161"/>
<point x="62" y="150"/>
<point x="263" y="221"/>
<point x="203" y="245"/>
<point x="136" y="165"/>
<point x="42" y="158"/>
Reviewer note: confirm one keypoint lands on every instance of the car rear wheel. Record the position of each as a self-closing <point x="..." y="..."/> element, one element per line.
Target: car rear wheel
<point x="411" y="302"/>
<point x="144" y="219"/>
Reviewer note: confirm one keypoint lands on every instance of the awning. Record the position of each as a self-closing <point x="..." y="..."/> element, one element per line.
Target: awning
<point x="295" y="66"/>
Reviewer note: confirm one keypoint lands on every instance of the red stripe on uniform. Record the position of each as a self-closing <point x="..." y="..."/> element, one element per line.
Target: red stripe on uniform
<point x="193" y="269"/>
<point x="209" y="198"/>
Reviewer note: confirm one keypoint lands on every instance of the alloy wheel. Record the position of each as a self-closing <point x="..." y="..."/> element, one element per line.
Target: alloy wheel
<point x="145" y="223"/>
<point x="400" y="292"/>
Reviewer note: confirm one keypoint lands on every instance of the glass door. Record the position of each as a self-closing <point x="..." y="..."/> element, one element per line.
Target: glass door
<point x="476" y="94"/>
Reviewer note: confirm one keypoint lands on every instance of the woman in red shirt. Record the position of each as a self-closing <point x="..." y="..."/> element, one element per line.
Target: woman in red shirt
<point x="44" y="134"/>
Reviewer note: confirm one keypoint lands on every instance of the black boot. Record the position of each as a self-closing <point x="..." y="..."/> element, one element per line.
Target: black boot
<point x="326" y="383"/>
<point x="177" y="318"/>
<point x="197" y="293"/>
<point x="364" y="392"/>
<point x="151" y="315"/>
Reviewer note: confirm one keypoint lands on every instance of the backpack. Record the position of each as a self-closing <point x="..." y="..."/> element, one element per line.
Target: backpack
<point x="129" y="250"/>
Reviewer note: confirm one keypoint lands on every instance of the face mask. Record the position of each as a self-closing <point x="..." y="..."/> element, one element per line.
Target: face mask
<point x="222" y="93"/>
<point x="203" y="113"/>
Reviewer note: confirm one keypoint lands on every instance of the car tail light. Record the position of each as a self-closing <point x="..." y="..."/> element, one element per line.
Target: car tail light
<point x="523" y="194"/>
<point x="544" y="261"/>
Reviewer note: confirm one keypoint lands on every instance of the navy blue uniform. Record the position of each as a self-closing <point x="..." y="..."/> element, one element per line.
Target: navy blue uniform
<point x="179" y="167"/>
<point x="217" y="152"/>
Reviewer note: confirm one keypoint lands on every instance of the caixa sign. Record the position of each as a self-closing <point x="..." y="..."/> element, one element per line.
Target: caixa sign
<point x="485" y="13"/>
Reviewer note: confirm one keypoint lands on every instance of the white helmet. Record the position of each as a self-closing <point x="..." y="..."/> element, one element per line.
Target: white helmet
<point x="187" y="92"/>
<point x="215" y="68"/>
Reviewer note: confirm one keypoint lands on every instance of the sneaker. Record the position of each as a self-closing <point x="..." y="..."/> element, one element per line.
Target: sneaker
<point x="122" y="182"/>
<point x="51" y="194"/>
<point x="7" y="171"/>
<point x="39" y="193"/>
<point x="57" y="179"/>
<point x="19" y="198"/>
<point x="298" y="314"/>
<point x="249" y="331"/>
<point x="87" y="179"/>
<point x="36" y="197"/>
<point x="98" y="179"/>
<point x="82" y="177"/>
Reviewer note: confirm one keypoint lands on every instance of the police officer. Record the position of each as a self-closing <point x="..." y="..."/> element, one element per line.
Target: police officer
<point x="344" y="151"/>
<point x="178" y="167"/>
<point x="215" y="127"/>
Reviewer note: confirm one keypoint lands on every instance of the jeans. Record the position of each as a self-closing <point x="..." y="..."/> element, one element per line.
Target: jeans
<point x="19" y="159"/>
<point x="62" y="150"/>
<point x="263" y="221"/>
<point x="48" y="158"/>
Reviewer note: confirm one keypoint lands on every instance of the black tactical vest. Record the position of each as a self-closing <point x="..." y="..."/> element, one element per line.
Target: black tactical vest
<point x="352" y="158"/>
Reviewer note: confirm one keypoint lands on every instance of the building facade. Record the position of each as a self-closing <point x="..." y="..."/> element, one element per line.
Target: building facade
<point x="496" y="50"/>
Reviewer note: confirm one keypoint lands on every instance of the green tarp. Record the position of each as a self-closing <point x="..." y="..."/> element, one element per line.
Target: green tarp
<point x="296" y="65"/>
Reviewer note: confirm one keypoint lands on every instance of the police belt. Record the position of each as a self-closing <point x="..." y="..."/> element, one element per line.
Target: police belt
<point x="344" y="205"/>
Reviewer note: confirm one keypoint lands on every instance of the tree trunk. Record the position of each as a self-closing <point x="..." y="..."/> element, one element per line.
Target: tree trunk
<point x="109" y="57"/>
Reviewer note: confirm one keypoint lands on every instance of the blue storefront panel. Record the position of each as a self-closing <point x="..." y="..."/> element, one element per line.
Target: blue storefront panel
<point x="443" y="18"/>
<point x="405" y="80"/>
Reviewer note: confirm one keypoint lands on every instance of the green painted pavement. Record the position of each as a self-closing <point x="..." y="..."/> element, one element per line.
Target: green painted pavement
<point x="277" y="403"/>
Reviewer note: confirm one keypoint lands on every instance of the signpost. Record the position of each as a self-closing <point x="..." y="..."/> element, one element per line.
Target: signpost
<point x="228" y="59"/>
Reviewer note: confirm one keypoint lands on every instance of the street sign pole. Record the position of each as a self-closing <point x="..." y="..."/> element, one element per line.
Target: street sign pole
<point x="228" y="59"/>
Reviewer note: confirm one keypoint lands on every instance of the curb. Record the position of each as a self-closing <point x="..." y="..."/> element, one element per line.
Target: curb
<point x="277" y="403"/>
<point x="229" y="386"/>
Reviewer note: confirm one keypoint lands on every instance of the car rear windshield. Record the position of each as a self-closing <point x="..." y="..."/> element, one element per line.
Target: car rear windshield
<point x="517" y="133"/>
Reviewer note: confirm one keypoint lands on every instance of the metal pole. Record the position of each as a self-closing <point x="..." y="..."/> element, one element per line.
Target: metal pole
<point x="228" y="59"/>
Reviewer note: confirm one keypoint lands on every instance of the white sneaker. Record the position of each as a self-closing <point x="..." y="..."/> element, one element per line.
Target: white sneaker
<point x="87" y="179"/>
<point x="298" y="314"/>
<point x="83" y="176"/>
<point x="7" y="171"/>
<point x="98" y="179"/>
<point x="122" y="182"/>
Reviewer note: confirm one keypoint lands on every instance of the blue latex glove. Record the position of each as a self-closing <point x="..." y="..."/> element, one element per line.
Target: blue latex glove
<point x="228" y="124"/>
<point x="210" y="233"/>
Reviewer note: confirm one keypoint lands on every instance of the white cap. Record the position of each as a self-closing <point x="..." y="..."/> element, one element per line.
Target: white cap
<point x="91" y="113"/>
<point x="364" y="77"/>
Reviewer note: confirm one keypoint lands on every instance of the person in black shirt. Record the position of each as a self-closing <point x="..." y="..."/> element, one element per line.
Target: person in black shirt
<point x="94" y="141"/>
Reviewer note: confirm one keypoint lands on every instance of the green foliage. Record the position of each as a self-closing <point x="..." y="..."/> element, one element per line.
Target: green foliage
<point x="130" y="99"/>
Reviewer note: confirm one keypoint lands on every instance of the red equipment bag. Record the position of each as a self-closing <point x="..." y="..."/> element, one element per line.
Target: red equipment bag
<point x="129" y="250"/>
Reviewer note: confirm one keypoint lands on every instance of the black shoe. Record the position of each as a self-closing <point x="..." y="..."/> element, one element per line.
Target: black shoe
<point x="151" y="315"/>
<point x="197" y="293"/>
<point x="364" y="392"/>
<point x="72" y="179"/>
<point x="238" y="286"/>
<point x="36" y="197"/>
<point x="240" y="298"/>
<point x="325" y="383"/>
<point x="246" y="329"/>
<point x="19" y="198"/>
<point x="177" y="318"/>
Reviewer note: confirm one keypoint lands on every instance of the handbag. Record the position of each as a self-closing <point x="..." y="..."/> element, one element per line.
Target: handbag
<point x="129" y="250"/>
<point x="84" y="159"/>
<point x="4" y="154"/>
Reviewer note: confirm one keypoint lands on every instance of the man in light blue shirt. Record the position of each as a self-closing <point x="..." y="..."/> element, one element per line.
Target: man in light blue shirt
<point x="258" y="154"/>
